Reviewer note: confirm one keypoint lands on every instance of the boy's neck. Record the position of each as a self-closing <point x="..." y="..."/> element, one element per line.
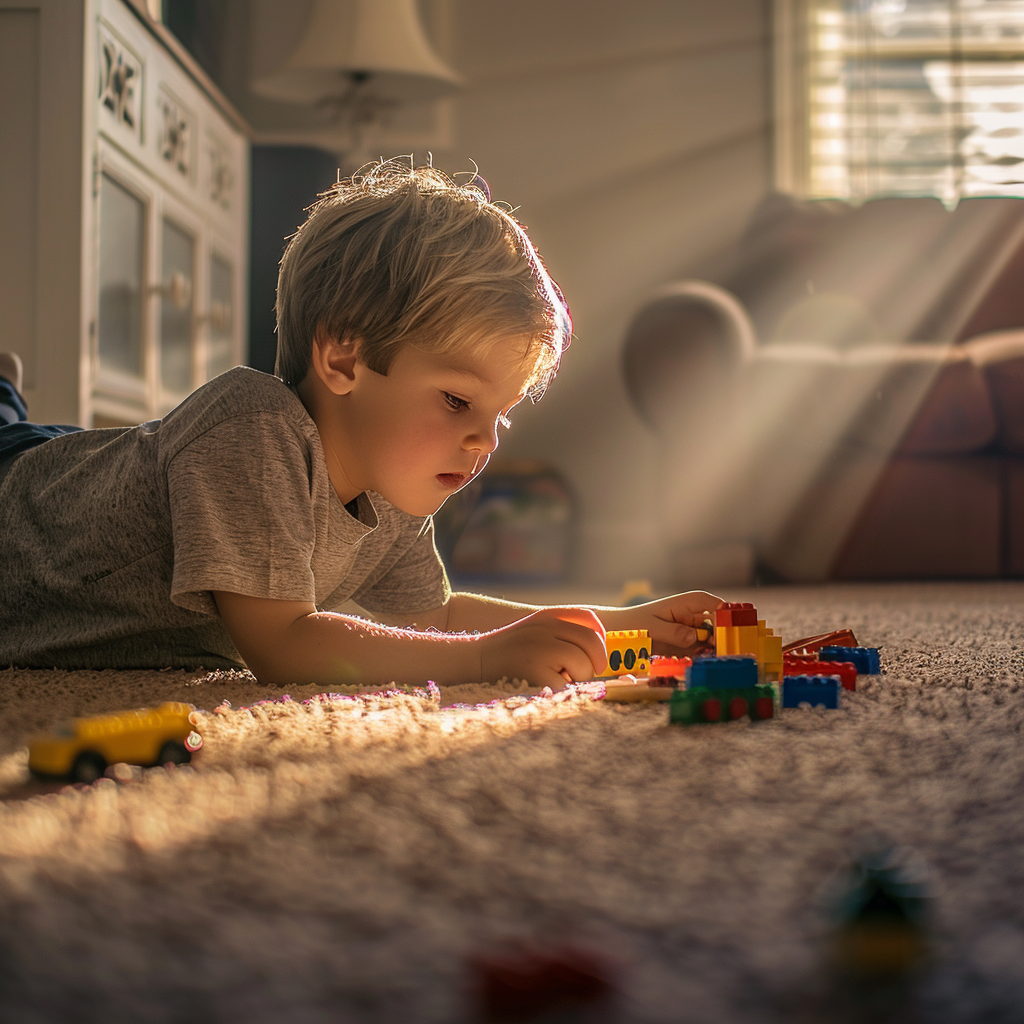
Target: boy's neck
<point x="314" y="397"/>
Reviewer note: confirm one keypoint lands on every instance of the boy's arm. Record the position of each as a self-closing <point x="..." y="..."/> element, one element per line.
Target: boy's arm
<point x="291" y="643"/>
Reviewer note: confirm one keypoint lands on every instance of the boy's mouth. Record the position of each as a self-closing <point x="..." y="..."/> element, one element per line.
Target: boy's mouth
<point x="452" y="480"/>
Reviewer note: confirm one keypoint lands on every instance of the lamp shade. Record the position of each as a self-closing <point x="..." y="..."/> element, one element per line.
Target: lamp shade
<point x="380" y="40"/>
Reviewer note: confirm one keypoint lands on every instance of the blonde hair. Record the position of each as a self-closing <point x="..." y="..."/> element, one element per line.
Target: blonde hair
<point x="399" y="253"/>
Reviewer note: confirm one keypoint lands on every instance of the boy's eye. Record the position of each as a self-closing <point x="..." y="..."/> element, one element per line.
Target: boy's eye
<point x="455" y="403"/>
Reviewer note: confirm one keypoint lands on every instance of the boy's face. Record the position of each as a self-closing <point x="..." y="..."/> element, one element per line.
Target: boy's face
<point x="423" y="431"/>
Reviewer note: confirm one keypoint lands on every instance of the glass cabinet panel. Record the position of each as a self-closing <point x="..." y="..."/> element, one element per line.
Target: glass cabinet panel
<point x="122" y="220"/>
<point x="178" y="249"/>
<point x="221" y="317"/>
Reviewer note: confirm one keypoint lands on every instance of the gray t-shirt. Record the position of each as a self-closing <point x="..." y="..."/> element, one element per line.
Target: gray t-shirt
<point x="111" y="540"/>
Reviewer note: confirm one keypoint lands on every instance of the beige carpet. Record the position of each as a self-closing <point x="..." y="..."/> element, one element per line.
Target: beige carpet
<point x="339" y="860"/>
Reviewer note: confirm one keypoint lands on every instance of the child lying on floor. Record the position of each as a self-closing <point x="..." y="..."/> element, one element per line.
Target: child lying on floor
<point x="413" y="316"/>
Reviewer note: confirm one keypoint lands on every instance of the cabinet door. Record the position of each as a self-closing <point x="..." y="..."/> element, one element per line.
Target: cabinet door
<point x="221" y="346"/>
<point x="177" y="306"/>
<point x="123" y="217"/>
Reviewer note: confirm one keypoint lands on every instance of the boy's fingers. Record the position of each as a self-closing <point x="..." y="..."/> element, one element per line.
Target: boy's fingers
<point x="578" y="663"/>
<point x="591" y="646"/>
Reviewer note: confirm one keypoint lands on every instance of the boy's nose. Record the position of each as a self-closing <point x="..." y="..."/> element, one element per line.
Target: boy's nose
<point x="483" y="441"/>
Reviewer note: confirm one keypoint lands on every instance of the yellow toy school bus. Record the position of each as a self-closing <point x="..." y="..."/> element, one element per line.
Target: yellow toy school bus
<point x="82" y="748"/>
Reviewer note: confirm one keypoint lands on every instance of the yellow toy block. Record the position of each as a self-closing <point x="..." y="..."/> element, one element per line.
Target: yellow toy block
<point x="629" y="650"/>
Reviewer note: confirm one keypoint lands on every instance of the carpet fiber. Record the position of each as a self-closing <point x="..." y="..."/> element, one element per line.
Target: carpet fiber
<point x="340" y="859"/>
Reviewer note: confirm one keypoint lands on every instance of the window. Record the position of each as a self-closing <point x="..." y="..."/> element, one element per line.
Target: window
<point x="900" y="97"/>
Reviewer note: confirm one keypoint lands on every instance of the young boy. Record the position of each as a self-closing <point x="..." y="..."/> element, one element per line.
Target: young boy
<point x="413" y="316"/>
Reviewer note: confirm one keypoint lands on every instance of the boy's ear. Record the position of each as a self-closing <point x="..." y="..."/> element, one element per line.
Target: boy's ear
<point x="334" y="361"/>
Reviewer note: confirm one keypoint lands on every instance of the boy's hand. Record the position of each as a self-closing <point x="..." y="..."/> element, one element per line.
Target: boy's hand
<point x="671" y="621"/>
<point x="547" y="648"/>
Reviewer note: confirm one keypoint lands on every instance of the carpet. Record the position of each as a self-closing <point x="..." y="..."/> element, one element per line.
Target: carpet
<point x="341" y="858"/>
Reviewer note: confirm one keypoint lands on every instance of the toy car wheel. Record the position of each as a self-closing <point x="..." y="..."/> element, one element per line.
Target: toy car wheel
<point x="737" y="707"/>
<point x="174" y="752"/>
<point x="88" y="766"/>
<point x="764" y="707"/>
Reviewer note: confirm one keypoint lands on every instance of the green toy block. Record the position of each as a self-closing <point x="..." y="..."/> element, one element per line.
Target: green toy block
<point x="701" y="705"/>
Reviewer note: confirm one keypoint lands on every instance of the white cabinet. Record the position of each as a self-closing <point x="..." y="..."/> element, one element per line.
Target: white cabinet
<point x="129" y="238"/>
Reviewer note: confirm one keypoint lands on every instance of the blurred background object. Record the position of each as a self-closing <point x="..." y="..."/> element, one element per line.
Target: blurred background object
<point x="515" y="527"/>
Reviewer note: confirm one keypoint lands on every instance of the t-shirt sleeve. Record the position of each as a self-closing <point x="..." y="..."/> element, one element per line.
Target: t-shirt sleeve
<point x="414" y="582"/>
<point x="241" y="513"/>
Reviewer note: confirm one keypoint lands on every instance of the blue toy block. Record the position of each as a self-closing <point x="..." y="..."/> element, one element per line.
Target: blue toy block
<point x="815" y="690"/>
<point x="733" y="672"/>
<point x="865" y="659"/>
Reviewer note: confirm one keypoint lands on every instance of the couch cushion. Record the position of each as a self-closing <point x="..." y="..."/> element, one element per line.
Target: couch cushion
<point x="928" y="518"/>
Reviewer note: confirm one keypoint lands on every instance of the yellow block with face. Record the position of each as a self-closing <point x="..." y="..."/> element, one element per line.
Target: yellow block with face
<point x="629" y="650"/>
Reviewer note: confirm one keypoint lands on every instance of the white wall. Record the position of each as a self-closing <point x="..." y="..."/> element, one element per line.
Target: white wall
<point x="634" y="138"/>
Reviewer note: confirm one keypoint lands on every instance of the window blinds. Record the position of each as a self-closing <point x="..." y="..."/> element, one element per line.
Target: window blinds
<point x="915" y="97"/>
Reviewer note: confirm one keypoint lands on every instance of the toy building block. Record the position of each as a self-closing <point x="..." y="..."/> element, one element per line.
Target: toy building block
<point x="769" y="655"/>
<point x="813" y="690"/>
<point x="715" y="673"/>
<point x="866" y="659"/>
<point x="721" y="704"/>
<point x="809" y="665"/>
<point x="736" y="614"/>
<point x="670" y="667"/>
<point x="881" y="918"/>
<point x="812" y="644"/>
<point x="82" y="749"/>
<point x="629" y="650"/>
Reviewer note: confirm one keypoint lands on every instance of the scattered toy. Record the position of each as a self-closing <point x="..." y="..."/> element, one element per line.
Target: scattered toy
<point x="866" y="659"/>
<point x="812" y="644"/>
<point x="881" y="917"/>
<point x="818" y="691"/>
<point x="83" y="748"/>
<point x="539" y="985"/>
<point x="809" y="665"/>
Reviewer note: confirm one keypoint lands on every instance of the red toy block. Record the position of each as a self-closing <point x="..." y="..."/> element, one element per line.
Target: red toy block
<point x="808" y="665"/>
<point x="736" y="613"/>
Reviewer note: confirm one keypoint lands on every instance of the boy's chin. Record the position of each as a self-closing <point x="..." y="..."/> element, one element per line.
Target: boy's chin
<point x="418" y="507"/>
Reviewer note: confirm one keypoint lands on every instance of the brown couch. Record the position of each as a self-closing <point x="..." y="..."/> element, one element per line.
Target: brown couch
<point x="856" y="377"/>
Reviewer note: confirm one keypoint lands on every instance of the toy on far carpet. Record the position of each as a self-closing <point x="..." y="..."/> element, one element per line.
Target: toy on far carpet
<point x="534" y="984"/>
<point x="722" y="689"/>
<point x="636" y="592"/>
<point x="881" y="914"/>
<point x="82" y="749"/>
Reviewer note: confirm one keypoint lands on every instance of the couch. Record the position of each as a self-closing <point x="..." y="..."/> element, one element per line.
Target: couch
<point x="843" y="391"/>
